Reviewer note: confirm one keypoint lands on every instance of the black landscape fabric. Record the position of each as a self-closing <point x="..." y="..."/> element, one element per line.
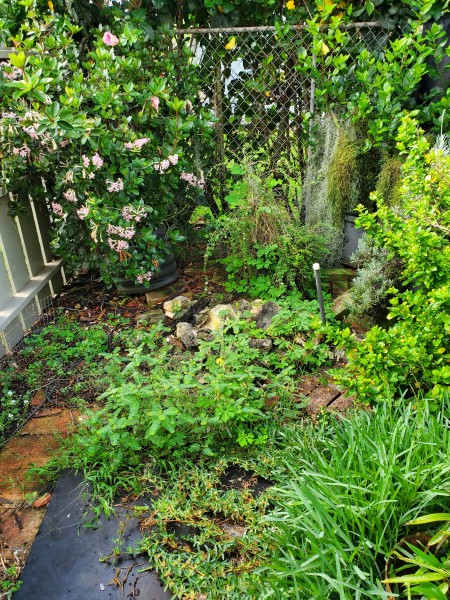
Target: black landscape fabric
<point x="64" y="560"/>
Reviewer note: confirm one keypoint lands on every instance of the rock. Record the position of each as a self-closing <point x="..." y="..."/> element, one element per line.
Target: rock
<point x="38" y="398"/>
<point x="156" y="297"/>
<point x="177" y="307"/>
<point x="189" y="315"/>
<point x="265" y="344"/>
<point x="217" y="298"/>
<point x="219" y="315"/>
<point x="299" y="340"/>
<point x="338" y="280"/>
<point x="201" y="318"/>
<point x="187" y="335"/>
<point x="150" y="317"/>
<point x="255" y="306"/>
<point x="341" y="306"/>
<point x="340" y="357"/>
<point x="264" y="315"/>
<point x="242" y="304"/>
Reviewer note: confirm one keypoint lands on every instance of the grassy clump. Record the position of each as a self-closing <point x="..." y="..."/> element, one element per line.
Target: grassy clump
<point x="352" y="486"/>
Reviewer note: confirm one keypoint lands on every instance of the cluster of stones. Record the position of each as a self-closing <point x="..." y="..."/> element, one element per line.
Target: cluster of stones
<point x="195" y="321"/>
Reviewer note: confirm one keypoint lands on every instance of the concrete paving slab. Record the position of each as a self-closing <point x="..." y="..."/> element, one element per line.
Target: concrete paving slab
<point x="63" y="563"/>
<point x="321" y="397"/>
<point x="342" y="404"/>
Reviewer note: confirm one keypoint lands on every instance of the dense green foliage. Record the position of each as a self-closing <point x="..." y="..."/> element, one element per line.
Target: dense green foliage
<point x="432" y="577"/>
<point x="413" y="353"/>
<point x="112" y="132"/>
<point x="111" y="116"/>
<point x="353" y="486"/>
<point x="265" y="249"/>
<point x="163" y="403"/>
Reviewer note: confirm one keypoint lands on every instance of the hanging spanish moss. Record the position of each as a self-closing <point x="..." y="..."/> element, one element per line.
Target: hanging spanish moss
<point x="389" y="180"/>
<point x="339" y="177"/>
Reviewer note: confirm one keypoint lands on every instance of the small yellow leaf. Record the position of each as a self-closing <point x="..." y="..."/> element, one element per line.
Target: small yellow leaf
<point x="220" y="361"/>
<point x="290" y="5"/>
<point x="50" y="5"/>
<point x="220" y="9"/>
<point x="267" y="94"/>
<point x="231" y="44"/>
<point x="325" y="48"/>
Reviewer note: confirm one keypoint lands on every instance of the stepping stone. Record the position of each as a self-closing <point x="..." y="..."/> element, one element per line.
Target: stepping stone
<point x="307" y="384"/>
<point x="321" y="397"/>
<point x="342" y="403"/>
<point x="64" y="560"/>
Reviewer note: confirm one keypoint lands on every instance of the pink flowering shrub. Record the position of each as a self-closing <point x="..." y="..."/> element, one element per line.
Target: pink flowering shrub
<point x="113" y="137"/>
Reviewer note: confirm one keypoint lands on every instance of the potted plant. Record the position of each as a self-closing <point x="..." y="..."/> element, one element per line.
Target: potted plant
<point x="111" y="133"/>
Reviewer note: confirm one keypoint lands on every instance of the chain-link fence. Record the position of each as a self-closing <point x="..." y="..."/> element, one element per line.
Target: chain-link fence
<point x="250" y="78"/>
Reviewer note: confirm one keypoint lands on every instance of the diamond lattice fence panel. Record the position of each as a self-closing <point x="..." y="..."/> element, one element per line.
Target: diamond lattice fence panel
<point x="250" y="78"/>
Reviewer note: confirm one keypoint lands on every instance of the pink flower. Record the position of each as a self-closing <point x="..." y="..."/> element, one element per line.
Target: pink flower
<point x="140" y="279"/>
<point x="97" y="160"/>
<point x="109" y="39"/>
<point x="15" y="73"/>
<point x="83" y="212"/>
<point x="118" y="245"/>
<point x="24" y="151"/>
<point x="124" y="232"/>
<point x="115" y="186"/>
<point x="141" y="142"/>
<point x="31" y="132"/>
<point x="129" y="213"/>
<point x="192" y="180"/>
<point x="162" y="166"/>
<point x="85" y="161"/>
<point x="173" y="159"/>
<point x="57" y="209"/>
<point x="137" y="144"/>
<point x="70" y="195"/>
<point x="126" y="213"/>
<point x="155" y="103"/>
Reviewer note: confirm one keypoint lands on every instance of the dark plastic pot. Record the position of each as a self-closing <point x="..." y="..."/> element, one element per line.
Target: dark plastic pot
<point x="352" y="235"/>
<point x="166" y="274"/>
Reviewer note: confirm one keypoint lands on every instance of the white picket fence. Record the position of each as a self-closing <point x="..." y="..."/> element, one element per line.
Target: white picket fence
<point x="30" y="276"/>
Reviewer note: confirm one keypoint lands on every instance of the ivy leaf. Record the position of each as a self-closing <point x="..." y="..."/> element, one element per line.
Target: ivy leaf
<point x="369" y="7"/>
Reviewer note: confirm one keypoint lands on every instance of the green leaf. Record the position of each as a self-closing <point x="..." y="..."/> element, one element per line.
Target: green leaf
<point x="432" y="518"/>
<point x="429" y="591"/>
<point x="18" y="60"/>
<point x="418" y="578"/>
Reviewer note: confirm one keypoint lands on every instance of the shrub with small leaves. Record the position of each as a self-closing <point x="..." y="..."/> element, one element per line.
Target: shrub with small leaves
<point x="414" y="352"/>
